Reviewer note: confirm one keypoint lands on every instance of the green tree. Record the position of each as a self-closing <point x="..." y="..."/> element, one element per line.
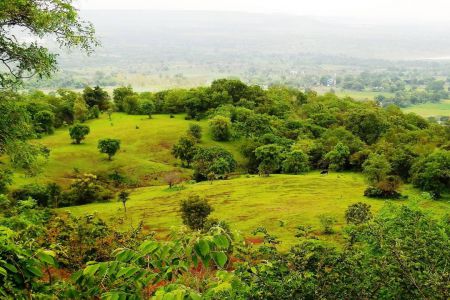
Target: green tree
<point x="358" y="213"/>
<point x="432" y="173"/>
<point x="270" y="158"/>
<point x="119" y="95"/>
<point x="80" y="110"/>
<point x="109" y="147"/>
<point x="148" y="108"/>
<point x="214" y="160"/>
<point x="185" y="150"/>
<point x="296" y="162"/>
<point x="44" y="121"/>
<point x="123" y="197"/>
<point x="376" y="167"/>
<point x="220" y="128"/>
<point x="39" y="19"/>
<point x="327" y="221"/>
<point x="78" y="132"/>
<point x="96" y="97"/>
<point x="194" y="212"/>
<point x="195" y="131"/>
<point x="338" y="157"/>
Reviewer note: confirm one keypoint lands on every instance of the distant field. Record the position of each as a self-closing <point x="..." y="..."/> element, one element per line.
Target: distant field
<point x="145" y="152"/>
<point x="431" y="109"/>
<point x="249" y="202"/>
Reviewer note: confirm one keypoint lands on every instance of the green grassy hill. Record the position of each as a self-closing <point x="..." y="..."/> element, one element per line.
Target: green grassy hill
<point x="279" y="202"/>
<point x="246" y="202"/>
<point x="145" y="153"/>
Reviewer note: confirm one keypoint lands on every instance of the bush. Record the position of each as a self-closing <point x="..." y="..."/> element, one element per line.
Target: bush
<point x="195" y="131"/>
<point x="358" y="213"/>
<point x="194" y="212"/>
<point x="78" y="132"/>
<point x="5" y="180"/>
<point x="35" y="191"/>
<point x="376" y="192"/>
<point x="220" y="128"/>
<point x="86" y="189"/>
<point x="327" y="222"/>
<point x="296" y="162"/>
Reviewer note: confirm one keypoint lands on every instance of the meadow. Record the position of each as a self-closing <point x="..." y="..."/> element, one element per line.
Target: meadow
<point x="431" y="109"/>
<point x="145" y="153"/>
<point x="279" y="202"/>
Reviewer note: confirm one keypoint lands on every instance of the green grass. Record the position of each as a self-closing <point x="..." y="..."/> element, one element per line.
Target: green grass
<point x="145" y="153"/>
<point x="431" y="109"/>
<point x="249" y="202"/>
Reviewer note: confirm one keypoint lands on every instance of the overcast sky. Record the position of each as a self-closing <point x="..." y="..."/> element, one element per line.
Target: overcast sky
<point x="423" y="11"/>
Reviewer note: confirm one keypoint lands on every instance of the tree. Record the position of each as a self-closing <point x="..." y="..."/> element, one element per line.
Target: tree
<point x="185" y="150"/>
<point x="338" y="157"/>
<point x="195" y="131"/>
<point x="80" y="110"/>
<point x="131" y="104"/>
<point x="358" y="213"/>
<point x="296" y="162"/>
<point x="78" y="132"/>
<point x="367" y="124"/>
<point x="172" y="178"/>
<point x="148" y="108"/>
<point x="212" y="160"/>
<point x="123" y="197"/>
<point x="194" y="212"/>
<point x="109" y="146"/>
<point x="432" y="173"/>
<point x="119" y="95"/>
<point x="96" y="97"/>
<point x="270" y="158"/>
<point x="39" y="20"/>
<point x="220" y="128"/>
<point x="376" y="167"/>
<point x="44" y="121"/>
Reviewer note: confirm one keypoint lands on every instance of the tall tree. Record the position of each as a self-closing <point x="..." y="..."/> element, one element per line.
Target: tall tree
<point x="38" y="19"/>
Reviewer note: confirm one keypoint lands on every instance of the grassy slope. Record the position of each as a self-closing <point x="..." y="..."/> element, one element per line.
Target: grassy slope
<point x="250" y="202"/>
<point x="245" y="202"/>
<point x="144" y="155"/>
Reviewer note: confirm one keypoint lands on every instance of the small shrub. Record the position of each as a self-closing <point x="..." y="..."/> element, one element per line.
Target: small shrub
<point x="195" y="131"/>
<point x="195" y="212"/>
<point x="327" y="222"/>
<point x="220" y="128"/>
<point x="358" y="213"/>
<point x="376" y="192"/>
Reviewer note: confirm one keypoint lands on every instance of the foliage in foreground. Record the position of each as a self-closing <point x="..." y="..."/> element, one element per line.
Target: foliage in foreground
<point x="402" y="252"/>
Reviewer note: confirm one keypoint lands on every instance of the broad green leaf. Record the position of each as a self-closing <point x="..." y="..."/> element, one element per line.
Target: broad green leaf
<point x="220" y="258"/>
<point x="204" y="247"/>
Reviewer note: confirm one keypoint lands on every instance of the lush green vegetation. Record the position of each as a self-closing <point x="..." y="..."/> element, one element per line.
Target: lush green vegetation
<point x="177" y="194"/>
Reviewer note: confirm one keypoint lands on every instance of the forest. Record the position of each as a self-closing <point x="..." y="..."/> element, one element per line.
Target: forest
<point x="229" y="190"/>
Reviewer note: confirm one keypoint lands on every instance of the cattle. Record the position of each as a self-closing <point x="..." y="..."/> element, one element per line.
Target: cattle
<point x="324" y="172"/>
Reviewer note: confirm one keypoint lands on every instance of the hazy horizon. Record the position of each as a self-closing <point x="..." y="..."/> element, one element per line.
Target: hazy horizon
<point x="433" y="12"/>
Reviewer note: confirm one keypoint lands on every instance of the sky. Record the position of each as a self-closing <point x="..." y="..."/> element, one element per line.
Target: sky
<point x="414" y="11"/>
